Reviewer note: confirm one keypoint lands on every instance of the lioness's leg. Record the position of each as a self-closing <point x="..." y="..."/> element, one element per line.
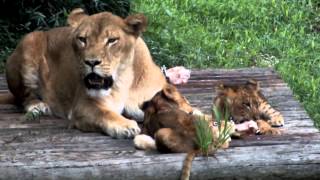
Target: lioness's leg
<point x="23" y="72"/>
<point x="117" y="126"/>
<point x="109" y="122"/>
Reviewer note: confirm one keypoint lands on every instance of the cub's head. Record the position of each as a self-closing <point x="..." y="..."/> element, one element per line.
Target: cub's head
<point x="241" y="101"/>
<point x="104" y="44"/>
<point x="168" y="98"/>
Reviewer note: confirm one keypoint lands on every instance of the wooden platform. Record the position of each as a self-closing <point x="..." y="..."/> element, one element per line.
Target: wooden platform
<point x="48" y="150"/>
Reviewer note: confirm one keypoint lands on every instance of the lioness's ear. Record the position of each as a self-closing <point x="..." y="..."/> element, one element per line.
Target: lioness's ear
<point x="137" y="24"/>
<point x="76" y="16"/>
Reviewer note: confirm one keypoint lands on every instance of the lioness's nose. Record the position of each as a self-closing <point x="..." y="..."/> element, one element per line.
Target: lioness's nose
<point x="92" y="62"/>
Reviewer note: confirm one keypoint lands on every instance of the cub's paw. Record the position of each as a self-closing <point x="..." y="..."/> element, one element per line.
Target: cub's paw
<point x="266" y="129"/>
<point x="270" y="131"/>
<point x="122" y="128"/>
<point x="277" y="121"/>
<point x="144" y="142"/>
<point x="34" y="111"/>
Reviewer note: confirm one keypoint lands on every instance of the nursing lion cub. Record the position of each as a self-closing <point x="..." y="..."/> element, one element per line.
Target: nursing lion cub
<point x="170" y="126"/>
<point x="90" y="72"/>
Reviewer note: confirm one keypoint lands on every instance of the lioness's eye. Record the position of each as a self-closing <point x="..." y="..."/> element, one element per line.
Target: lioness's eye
<point x="82" y="40"/>
<point x="112" y="40"/>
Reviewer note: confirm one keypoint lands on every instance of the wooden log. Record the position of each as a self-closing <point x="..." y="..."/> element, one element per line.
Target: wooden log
<point x="47" y="149"/>
<point x="12" y="120"/>
<point x="253" y="162"/>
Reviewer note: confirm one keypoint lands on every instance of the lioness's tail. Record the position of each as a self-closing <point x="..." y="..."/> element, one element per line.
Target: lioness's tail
<point x="7" y="98"/>
<point x="144" y="142"/>
<point x="187" y="164"/>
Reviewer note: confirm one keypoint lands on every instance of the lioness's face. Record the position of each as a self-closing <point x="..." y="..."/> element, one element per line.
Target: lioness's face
<point x="105" y="45"/>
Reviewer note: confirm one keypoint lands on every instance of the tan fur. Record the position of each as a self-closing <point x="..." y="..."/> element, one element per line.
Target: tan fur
<point x="187" y="165"/>
<point x="246" y="102"/>
<point x="49" y="67"/>
<point x="7" y="98"/>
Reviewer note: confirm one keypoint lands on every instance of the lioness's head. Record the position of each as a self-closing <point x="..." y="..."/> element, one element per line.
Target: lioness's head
<point x="242" y="101"/>
<point x="105" y="44"/>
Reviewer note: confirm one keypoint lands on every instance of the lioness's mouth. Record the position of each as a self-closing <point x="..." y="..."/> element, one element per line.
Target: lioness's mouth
<point x="94" y="81"/>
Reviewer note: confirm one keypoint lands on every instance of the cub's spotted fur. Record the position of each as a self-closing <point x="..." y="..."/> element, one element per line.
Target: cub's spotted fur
<point x="245" y="103"/>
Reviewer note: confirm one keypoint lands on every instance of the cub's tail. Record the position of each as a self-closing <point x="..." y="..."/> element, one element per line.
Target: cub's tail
<point x="7" y="98"/>
<point x="187" y="164"/>
<point x="144" y="142"/>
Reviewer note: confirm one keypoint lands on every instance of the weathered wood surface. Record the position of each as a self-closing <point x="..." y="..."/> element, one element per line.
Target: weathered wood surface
<point x="47" y="149"/>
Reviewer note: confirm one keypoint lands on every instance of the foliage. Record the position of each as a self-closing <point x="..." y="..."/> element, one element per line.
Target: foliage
<point x="240" y="33"/>
<point x="204" y="135"/>
<point x="223" y="128"/>
<point x="33" y="115"/>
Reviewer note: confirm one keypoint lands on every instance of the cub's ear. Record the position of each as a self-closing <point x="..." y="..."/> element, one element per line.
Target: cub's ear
<point x="171" y="92"/>
<point x="76" y="17"/>
<point x="253" y="84"/>
<point x="137" y="24"/>
<point x="220" y="87"/>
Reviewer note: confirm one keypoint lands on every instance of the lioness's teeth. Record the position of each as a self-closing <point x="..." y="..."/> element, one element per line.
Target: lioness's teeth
<point x="94" y="81"/>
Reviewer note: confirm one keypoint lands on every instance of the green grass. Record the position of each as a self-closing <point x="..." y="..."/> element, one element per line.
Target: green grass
<point x="204" y="137"/>
<point x="222" y="122"/>
<point x="240" y="33"/>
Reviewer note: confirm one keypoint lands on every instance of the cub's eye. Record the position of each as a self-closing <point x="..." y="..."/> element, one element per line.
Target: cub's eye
<point x="112" y="40"/>
<point x="246" y="104"/>
<point x="83" y="40"/>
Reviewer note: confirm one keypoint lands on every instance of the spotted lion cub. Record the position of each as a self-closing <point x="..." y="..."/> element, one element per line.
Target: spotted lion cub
<point x="246" y="103"/>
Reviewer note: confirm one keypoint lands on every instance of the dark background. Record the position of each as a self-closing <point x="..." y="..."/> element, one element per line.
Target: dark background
<point x="22" y="16"/>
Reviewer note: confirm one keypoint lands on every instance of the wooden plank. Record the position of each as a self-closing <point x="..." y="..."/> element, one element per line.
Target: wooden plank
<point x="241" y="71"/>
<point x="47" y="149"/>
<point x="70" y="139"/>
<point x="272" y="161"/>
<point x="12" y="120"/>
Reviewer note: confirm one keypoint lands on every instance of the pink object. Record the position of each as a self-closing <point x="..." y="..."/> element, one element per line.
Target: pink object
<point x="178" y="75"/>
<point x="247" y="127"/>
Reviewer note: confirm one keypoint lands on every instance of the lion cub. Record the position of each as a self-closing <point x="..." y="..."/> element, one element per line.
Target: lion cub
<point x="170" y="120"/>
<point x="245" y="103"/>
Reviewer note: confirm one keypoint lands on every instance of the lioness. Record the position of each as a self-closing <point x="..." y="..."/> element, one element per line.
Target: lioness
<point x="89" y="72"/>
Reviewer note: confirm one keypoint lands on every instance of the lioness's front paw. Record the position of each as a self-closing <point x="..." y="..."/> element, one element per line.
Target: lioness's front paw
<point x="276" y="121"/>
<point x="35" y="110"/>
<point x="39" y="107"/>
<point x="122" y="128"/>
